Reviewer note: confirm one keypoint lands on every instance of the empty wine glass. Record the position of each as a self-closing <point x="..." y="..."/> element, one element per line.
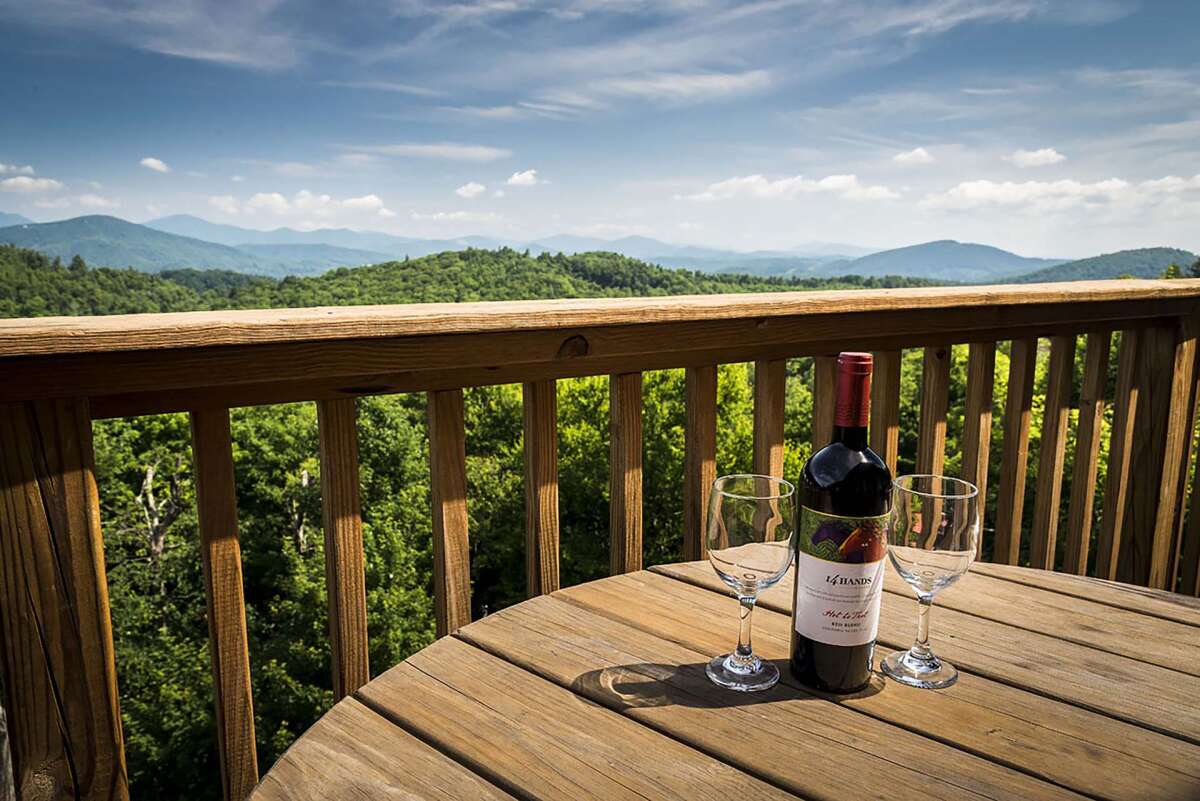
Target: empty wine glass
<point x="932" y="535"/>
<point x="751" y="523"/>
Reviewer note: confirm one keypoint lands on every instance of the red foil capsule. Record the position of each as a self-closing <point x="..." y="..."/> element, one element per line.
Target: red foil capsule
<point x="853" y="405"/>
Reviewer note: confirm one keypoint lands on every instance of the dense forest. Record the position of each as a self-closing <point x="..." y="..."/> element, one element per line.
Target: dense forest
<point x="148" y="497"/>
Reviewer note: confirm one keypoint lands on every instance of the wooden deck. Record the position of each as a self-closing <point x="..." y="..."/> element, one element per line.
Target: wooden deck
<point x="1070" y="688"/>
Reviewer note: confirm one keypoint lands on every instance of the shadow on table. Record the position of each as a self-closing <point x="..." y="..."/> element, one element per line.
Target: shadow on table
<point x="648" y="684"/>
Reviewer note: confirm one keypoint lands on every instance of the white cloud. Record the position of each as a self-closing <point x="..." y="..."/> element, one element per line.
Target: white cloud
<point x="524" y="178"/>
<point x="758" y="186"/>
<point x="498" y="193"/>
<point x="484" y="112"/>
<point x="364" y="203"/>
<point x="237" y="179"/>
<point x="196" y="174"/>
<point x="98" y="201"/>
<point x="682" y="86"/>
<point x="386" y="86"/>
<point x="154" y="209"/>
<point x="151" y="163"/>
<point x="1043" y="195"/>
<point x="25" y="184"/>
<point x="225" y="203"/>
<point x="457" y="216"/>
<point x="918" y="155"/>
<point x="268" y="201"/>
<point x="52" y="203"/>
<point x="295" y="169"/>
<point x="1035" y="158"/>
<point x="95" y="185"/>
<point x="450" y="151"/>
<point x="470" y="190"/>
<point x="386" y="213"/>
<point x="13" y="169"/>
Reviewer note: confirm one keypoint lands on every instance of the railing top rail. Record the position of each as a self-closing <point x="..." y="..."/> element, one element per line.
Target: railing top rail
<point x="47" y="336"/>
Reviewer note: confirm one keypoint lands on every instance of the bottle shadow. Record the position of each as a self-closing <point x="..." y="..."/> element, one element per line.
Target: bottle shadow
<point x="648" y="684"/>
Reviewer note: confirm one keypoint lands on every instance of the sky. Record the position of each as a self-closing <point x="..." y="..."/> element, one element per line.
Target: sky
<point x="1057" y="129"/>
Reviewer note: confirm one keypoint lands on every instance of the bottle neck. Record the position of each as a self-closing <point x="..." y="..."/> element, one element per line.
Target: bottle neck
<point x="853" y="437"/>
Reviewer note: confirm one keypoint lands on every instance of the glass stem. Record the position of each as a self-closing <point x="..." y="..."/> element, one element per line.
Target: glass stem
<point x="920" y="648"/>
<point x="745" y="653"/>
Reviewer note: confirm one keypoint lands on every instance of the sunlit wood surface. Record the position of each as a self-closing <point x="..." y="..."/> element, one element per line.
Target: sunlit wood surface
<point x="1070" y="688"/>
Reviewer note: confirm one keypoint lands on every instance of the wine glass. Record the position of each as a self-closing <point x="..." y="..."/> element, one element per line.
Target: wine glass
<point x="751" y="525"/>
<point x="933" y="531"/>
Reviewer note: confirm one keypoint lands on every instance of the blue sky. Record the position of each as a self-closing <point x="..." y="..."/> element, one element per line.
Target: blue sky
<point x="1056" y="129"/>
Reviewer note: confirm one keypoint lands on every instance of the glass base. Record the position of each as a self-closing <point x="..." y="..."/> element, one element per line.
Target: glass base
<point x="753" y="676"/>
<point x="929" y="673"/>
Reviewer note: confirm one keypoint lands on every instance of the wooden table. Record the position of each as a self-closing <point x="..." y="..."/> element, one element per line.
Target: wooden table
<point x="1070" y="688"/>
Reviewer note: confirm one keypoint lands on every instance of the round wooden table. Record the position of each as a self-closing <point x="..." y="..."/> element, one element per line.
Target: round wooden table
<point x="1070" y="687"/>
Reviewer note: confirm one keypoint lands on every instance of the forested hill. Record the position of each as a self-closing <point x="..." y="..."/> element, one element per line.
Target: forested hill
<point x="32" y="284"/>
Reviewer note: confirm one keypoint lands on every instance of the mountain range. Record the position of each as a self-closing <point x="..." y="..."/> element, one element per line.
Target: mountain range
<point x="184" y="241"/>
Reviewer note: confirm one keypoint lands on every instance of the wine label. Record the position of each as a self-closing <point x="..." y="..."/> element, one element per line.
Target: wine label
<point x="839" y="577"/>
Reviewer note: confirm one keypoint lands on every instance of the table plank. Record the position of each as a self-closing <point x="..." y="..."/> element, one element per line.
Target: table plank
<point x="1159" y="698"/>
<point x="352" y="752"/>
<point x="1157" y="603"/>
<point x="786" y="736"/>
<point x="539" y="740"/>
<point x="1048" y="738"/>
<point x="1118" y="631"/>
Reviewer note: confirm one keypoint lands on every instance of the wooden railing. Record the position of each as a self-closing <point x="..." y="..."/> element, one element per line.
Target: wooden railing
<point x="61" y="373"/>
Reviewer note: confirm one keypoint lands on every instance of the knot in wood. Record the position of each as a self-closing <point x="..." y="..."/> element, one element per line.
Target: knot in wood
<point x="572" y="347"/>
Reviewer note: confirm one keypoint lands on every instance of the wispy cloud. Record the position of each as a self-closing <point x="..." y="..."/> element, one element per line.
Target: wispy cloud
<point x="1035" y="158"/>
<point x="456" y="216"/>
<point x="1057" y="195"/>
<point x="151" y="163"/>
<point x="94" y="201"/>
<point x="470" y="190"/>
<point x="26" y="184"/>
<point x="760" y="187"/>
<point x="13" y="169"/>
<point x="450" y="151"/>
<point x="918" y="155"/>
<point x="386" y="86"/>
<point x="226" y="204"/>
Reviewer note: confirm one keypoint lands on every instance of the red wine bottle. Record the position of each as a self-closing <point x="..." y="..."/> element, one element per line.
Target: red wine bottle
<point x="841" y="541"/>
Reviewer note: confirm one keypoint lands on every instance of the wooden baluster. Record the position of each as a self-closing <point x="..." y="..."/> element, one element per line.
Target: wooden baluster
<point x="60" y="681"/>
<point x="1017" y="413"/>
<point x="222" y="562"/>
<point x="1120" y="450"/>
<point x="977" y="422"/>
<point x="1189" y="327"/>
<point x="448" y="485"/>
<point x="1163" y="375"/>
<point x="345" y="579"/>
<point x="700" y="457"/>
<point x="625" y="465"/>
<point x="1057" y="414"/>
<point x="824" y="396"/>
<point x="1087" y="453"/>
<point x="541" y="487"/>
<point x="1189" y="552"/>
<point x="769" y="378"/>
<point x="935" y="387"/>
<point x="885" y="407"/>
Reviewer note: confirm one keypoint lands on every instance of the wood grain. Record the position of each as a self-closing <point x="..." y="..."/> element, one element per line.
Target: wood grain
<point x="824" y="393"/>
<point x="1177" y="452"/>
<point x="935" y="386"/>
<point x="1087" y="453"/>
<point x="1030" y="661"/>
<point x="699" y="456"/>
<point x="345" y="576"/>
<point x="636" y="666"/>
<point x="1120" y="457"/>
<point x="448" y="490"/>
<point x="885" y="407"/>
<point x="47" y="335"/>
<point x="1052" y="456"/>
<point x="537" y="739"/>
<point x="769" y="378"/>
<point x="1154" y="603"/>
<point x="625" y="472"/>
<point x="1010" y="502"/>
<point x="980" y="716"/>
<point x="128" y="382"/>
<point x="541" y="487"/>
<point x="221" y="554"/>
<point x="1163" y="377"/>
<point x="60" y="682"/>
<point x="977" y="423"/>
<point x="1189" y="552"/>
<point x="353" y="752"/>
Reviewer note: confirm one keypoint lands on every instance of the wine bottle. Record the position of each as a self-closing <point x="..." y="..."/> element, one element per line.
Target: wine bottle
<point x="841" y="541"/>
